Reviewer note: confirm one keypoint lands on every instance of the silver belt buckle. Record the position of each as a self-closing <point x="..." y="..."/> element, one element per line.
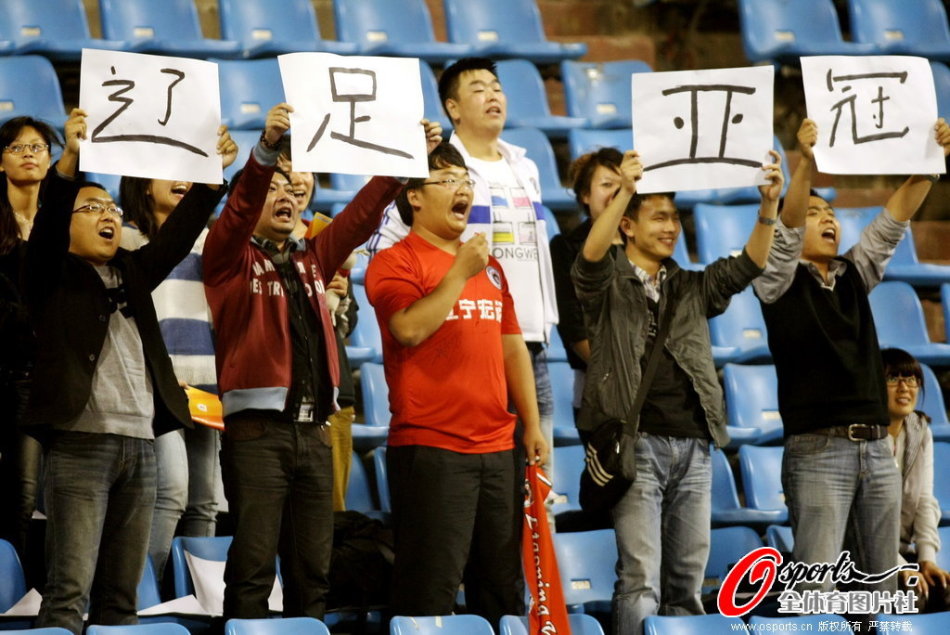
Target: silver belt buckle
<point x="851" y="429"/>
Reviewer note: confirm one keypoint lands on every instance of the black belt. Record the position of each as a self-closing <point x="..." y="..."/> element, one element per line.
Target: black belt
<point x="855" y="432"/>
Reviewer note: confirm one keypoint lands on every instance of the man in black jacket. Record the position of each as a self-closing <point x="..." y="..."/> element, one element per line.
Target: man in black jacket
<point x="103" y="385"/>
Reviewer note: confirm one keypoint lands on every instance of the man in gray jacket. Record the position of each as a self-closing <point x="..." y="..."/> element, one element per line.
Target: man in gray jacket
<point x="664" y="516"/>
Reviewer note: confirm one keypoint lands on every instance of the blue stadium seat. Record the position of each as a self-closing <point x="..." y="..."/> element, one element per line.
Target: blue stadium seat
<point x="600" y="92"/>
<point x="727" y="545"/>
<point x="366" y="343"/>
<point x="899" y="319"/>
<point x="780" y="537"/>
<point x="943" y="556"/>
<point x="752" y="403"/>
<point x="12" y="580"/>
<point x="583" y="140"/>
<point x="528" y="100"/>
<point x="902" y="28"/>
<point x="726" y="509"/>
<point x="382" y="479"/>
<point x="568" y="465"/>
<point x="465" y="624"/>
<point x="375" y="394"/>
<point x="109" y="181"/>
<point x="401" y="28"/>
<point x="778" y="30"/>
<point x="761" y="470"/>
<point x="586" y="561"/>
<point x="942" y="485"/>
<point x="714" y="623"/>
<point x="359" y="490"/>
<point x="941" y="73"/>
<point x="43" y="100"/>
<point x="821" y="622"/>
<point x="931" y="401"/>
<point x="278" y="626"/>
<point x="562" y="385"/>
<point x="750" y="194"/>
<point x="343" y="188"/>
<point x="151" y="628"/>
<point x="919" y="624"/>
<point x="945" y="304"/>
<point x="249" y="88"/>
<point x="580" y="623"/>
<point x="274" y="27"/>
<point x="147" y="592"/>
<point x="904" y="265"/>
<point x="57" y="29"/>
<point x="740" y="334"/>
<point x="539" y="150"/>
<point x="170" y="27"/>
<point x="506" y="29"/>
<point x="245" y="140"/>
<point x="432" y="105"/>
<point x="722" y="230"/>
<point x="211" y="548"/>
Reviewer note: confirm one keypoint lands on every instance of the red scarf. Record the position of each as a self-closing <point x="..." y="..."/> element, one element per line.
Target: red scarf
<point x="548" y="614"/>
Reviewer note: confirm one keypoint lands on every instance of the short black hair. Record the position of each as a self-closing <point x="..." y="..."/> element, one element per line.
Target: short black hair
<point x="449" y="80"/>
<point x="581" y="172"/>
<point x="900" y="363"/>
<point x="445" y="155"/>
<point x="636" y="201"/>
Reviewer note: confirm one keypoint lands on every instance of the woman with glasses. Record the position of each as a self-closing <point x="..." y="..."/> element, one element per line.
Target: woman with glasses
<point x="912" y="443"/>
<point x="25" y="145"/>
<point x="187" y="459"/>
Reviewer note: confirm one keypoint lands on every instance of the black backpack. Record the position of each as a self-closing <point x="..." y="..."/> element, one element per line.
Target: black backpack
<point x="361" y="565"/>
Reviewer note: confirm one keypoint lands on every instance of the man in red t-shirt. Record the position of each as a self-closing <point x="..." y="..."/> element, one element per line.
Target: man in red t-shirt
<point x="454" y="357"/>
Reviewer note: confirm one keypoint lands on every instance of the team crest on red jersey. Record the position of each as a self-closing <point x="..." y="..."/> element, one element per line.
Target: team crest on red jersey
<point x="494" y="275"/>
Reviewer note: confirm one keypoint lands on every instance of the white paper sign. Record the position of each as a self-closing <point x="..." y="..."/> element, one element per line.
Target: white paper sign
<point x="875" y="115"/>
<point x="355" y="115"/>
<point x="150" y="116"/>
<point x="702" y="129"/>
<point x="208" y="579"/>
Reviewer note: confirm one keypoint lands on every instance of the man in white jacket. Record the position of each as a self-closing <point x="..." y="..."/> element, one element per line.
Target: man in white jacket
<point x="506" y="209"/>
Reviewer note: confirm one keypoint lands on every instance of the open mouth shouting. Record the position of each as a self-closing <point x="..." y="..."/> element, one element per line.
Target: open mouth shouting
<point x="107" y="231"/>
<point x="179" y="189"/>
<point x="829" y="235"/>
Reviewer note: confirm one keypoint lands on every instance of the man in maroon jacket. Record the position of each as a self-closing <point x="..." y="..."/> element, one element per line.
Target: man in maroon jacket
<point x="278" y="374"/>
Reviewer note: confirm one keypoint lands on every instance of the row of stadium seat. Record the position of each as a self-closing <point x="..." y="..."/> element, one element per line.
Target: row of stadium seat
<point x="781" y="31"/>
<point x="60" y="30"/>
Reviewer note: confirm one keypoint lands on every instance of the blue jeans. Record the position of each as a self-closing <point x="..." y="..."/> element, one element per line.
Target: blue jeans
<point x="170" y="498"/>
<point x="202" y="445"/>
<point x="278" y="479"/>
<point x="834" y="488"/>
<point x="100" y="491"/>
<point x="662" y="527"/>
<point x="545" y="396"/>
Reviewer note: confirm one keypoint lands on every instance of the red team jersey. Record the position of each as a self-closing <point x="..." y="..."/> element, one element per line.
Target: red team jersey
<point x="449" y="391"/>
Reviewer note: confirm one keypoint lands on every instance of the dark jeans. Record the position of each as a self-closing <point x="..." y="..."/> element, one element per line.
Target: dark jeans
<point x="278" y="478"/>
<point x="100" y="491"/>
<point x="444" y="505"/>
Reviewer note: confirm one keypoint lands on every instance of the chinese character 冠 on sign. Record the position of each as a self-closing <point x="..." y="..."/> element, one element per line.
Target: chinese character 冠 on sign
<point x="875" y="115"/>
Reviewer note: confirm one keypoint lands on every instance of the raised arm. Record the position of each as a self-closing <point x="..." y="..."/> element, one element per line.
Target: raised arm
<point x="799" y="188"/>
<point x="521" y="390"/>
<point x="74" y="130"/>
<point x="414" y="324"/>
<point x="604" y="229"/>
<point x="231" y="233"/>
<point x="908" y="198"/>
<point x="760" y="241"/>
